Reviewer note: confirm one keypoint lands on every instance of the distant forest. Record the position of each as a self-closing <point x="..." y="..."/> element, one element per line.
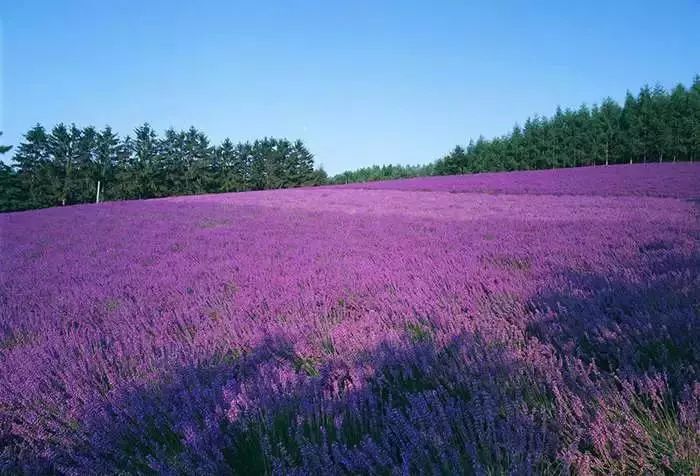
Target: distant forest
<point x="63" y="165"/>
<point x="655" y="125"/>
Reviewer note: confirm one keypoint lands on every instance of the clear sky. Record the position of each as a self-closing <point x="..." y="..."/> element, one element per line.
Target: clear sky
<point x="360" y="82"/>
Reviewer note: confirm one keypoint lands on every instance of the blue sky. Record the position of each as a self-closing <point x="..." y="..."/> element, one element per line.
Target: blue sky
<point x="360" y="82"/>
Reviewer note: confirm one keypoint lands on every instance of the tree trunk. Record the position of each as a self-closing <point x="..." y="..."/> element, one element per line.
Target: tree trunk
<point x="607" y="154"/>
<point x="66" y="181"/>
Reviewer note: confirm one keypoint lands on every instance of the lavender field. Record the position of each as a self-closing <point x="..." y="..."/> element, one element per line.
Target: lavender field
<point x="655" y="180"/>
<point x="520" y="323"/>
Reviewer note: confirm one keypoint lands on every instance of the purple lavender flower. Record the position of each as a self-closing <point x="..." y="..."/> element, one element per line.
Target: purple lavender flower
<point x="527" y="322"/>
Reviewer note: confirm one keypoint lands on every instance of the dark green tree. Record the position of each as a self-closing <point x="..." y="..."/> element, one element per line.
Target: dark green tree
<point x="197" y="154"/>
<point x="607" y="127"/>
<point x="83" y="184"/>
<point x="61" y="149"/>
<point x="692" y="127"/>
<point x="10" y="190"/>
<point x="36" y="175"/>
<point x="107" y="151"/>
<point x="145" y="168"/>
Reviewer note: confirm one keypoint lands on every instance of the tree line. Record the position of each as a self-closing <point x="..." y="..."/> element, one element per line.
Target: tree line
<point x="62" y="166"/>
<point x="383" y="172"/>
<point x="655" y="125"/>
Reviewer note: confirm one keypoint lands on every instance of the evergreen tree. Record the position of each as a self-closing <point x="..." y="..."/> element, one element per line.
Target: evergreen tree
<point x="652" y="125"/>
<point x="145" y="170"/>
<point x="242" y="165"/>
<point x="107" y="152"/>
<point x="10" y="190"/>
<point x="61" y="147"/>
<point x="85" y="171"/>
<point x="172" y="163"/>
<point x="693" y="124"/>
<point x="127" y="185"/>
<point x="261" y="167"/>
<point x="63" y="166"/>
<point x="301" y="165"/>
<point x="608" y="130"/>
<point x="197" y="158"/>
<point x="36" y="176"/>
<point x="660" y="131"/>
<point x="319" y="176"/>
<point x="229" y="168"/>
<point x="678" y="111"/>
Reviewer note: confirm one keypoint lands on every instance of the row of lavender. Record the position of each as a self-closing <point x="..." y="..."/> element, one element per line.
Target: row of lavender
<point x="678" y="180"/>
<point x="331" y="331"/>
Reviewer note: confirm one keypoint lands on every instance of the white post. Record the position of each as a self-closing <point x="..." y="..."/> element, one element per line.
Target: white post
<point x="97" y="198"/>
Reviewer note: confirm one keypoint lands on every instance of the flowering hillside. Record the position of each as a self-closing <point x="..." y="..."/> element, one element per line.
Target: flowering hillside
<point x="657" y="180"/>
<point x="536" y="322"/>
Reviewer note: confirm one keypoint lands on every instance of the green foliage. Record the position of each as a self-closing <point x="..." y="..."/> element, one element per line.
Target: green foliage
<point x="10" y="192"/>
<point x="653" y="126"/>
<point x="64" y="165"/>
<point x="419" y="332"/>
<point x="383" y="172"/>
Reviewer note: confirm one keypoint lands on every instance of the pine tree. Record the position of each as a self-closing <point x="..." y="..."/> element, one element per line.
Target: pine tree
<point x="693" y="126"/>
<point x="677" y="113"/>
<point x="303" y="172"/>
<point x="660" y="132"/>
<point x="230" y="178"/>
<point x="608" y="122"/>
<point x="35" y="174"/>
<point x="126" y="173"/>
<point x="275" y="151"/>
<point x="197" y="157"/>
<point x="320" y="177"/>
<point x="107" y="150"/>
<point x="632" y="129"/>
<point x="85" y="171"/>
<point x="61" y="152"/>
<point x="172" y="170"/>
<point x="258" y="170"/>
<point x="242" y="165"/>
<point x="144" y="162"/>
<point x="10" y="191"/>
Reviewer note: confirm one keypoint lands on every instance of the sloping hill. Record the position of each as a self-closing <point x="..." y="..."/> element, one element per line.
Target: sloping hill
<point x="546" y="321"/>
<point x="679" y="180"/>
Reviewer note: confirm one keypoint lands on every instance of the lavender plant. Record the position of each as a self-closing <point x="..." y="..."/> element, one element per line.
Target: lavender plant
<point x="533" y="323"/>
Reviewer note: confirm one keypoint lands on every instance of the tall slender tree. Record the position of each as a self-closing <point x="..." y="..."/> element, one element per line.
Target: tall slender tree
<point x="145" y="167"/>
<point x="107" y="151"/>
<point x="10" y="190"/>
